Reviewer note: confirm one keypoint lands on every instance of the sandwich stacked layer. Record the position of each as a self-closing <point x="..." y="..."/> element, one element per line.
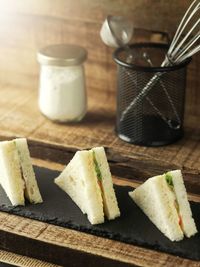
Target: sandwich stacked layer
<point x="164" y="200"/>
<point x="16" y="172"/>
<point x="87" y="180"/>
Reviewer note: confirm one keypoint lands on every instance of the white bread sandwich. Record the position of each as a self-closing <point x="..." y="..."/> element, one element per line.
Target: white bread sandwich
<point x="164" y="200"/>
<point x="87" y="180"/>
<point x="16" y="172"/>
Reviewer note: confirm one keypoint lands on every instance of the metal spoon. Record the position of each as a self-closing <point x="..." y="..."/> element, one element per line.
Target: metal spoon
<point x="117" y="31"/>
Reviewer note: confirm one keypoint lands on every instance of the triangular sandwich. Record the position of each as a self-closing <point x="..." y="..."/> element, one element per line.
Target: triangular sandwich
<point x="164" y="200"/>
<point x="87" y="180"/>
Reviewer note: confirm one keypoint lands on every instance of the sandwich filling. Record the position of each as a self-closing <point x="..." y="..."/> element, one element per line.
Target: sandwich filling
<point x="169" y="181"/>
<point x="97" y="169"/>
<point x="99" y="178"/>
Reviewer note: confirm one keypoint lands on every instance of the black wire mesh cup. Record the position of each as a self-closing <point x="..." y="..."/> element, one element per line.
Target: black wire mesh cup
<point x="150" y="99"/>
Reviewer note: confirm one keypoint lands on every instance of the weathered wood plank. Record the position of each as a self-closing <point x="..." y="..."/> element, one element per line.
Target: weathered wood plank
<point x="39" y="25"/>
<point x="58" y="142"/>
<point x="142" y="13"/>
<point x="23" y="261"/>
<point x="64" y="246"/>
<point x="25" y="26"/>
<point x="16" y="111"/>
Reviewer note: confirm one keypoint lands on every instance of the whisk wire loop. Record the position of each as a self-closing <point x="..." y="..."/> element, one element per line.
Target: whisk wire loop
<point x="183" y="24"/>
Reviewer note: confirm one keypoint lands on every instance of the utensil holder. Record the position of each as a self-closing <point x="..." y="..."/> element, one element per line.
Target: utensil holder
<point x="154" y="116"/>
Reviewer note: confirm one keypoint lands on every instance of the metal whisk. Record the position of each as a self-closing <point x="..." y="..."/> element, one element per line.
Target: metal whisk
<point x="184" y="45"/>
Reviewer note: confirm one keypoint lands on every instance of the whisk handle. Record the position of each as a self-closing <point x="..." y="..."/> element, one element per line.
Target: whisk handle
<point x="142" y="94"/>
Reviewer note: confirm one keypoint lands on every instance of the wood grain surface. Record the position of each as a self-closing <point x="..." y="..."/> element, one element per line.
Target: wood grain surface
<point x="71" y="248"/>
<point x="26" y="26"/>
<point x="20" y="116"/>
<point x="13" y="259"/>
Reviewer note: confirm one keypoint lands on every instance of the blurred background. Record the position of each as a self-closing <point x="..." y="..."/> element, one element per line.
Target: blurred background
<point x="27" y="25"/>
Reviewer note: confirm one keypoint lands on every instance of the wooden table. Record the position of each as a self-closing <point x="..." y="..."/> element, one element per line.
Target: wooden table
<point x="53" y="145"/>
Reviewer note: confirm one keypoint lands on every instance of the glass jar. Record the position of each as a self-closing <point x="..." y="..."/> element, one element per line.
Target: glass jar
<point x="62" y="90"/>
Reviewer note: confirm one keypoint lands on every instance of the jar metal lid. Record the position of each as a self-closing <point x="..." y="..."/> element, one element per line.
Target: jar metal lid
<point x="62" y="55"/>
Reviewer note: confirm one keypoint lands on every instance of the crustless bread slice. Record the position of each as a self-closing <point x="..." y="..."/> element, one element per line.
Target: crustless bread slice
<point x="87" y="180"/>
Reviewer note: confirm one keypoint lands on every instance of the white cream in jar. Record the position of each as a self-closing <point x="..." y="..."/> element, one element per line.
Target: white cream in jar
<point x="62" y="91"/>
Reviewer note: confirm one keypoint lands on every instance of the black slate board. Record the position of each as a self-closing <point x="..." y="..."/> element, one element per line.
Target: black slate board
<point x="131" y="227"/>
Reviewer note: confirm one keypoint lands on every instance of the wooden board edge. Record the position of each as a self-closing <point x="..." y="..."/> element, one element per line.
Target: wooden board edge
<point x="23" y="261"/>
<point x="121" y="165"/>
<point x="59" y="245"/>
<point x="52" y="253"/>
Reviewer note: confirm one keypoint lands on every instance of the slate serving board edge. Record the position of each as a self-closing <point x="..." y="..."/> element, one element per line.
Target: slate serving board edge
<point x="30" y="211"/>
